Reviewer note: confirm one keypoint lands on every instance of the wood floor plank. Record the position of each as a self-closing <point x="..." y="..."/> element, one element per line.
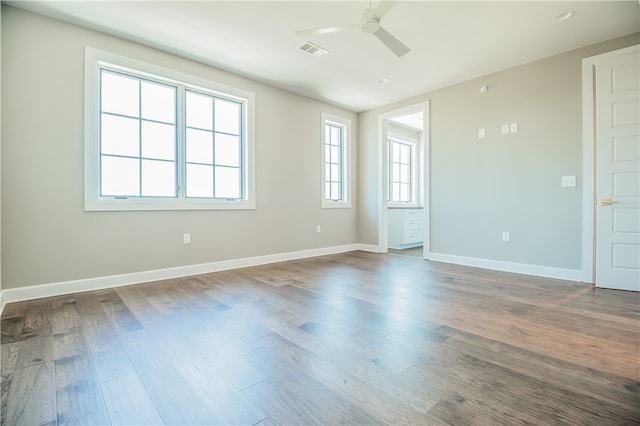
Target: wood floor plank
<point x="291" y="397"/>
<point x="65" y="314"/>
<point x="174" y="399"/>
<point x="128" y="403"/>
<point x="576" y="378"/>
<point x="516" y="393"/>
<point x="206" y="379"/>
<point x="382" y="405"/>
<point x="344" y="350"/>
<point x="77" y="390"/>
<point x="11" y="329"/>
<point x="109" y="357"/>
<point x="36" y="347"/>
<point x="9" y="356"/>
<point x="31" y="396"/>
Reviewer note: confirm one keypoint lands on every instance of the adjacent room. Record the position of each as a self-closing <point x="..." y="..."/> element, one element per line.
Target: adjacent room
<point x="320" y="212"/>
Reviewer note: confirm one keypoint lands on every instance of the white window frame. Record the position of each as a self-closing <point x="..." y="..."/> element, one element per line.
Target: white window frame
<point x="93" y="201"/>
<point x="415" y="181"/>
<point x="345" y="124"/>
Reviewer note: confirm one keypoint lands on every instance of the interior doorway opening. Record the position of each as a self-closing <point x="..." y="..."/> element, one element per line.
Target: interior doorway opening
<point x="404" y="208"/>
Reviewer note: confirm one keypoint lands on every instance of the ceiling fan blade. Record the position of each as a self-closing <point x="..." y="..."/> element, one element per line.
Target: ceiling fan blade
<point x="383" y="7"/>
<point x="327" y="30"/>
<point x="392" y="43"/>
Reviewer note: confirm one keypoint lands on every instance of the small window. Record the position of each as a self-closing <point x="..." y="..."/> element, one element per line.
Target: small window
<point x="157" y="139"/>
<point x="402" y="171"/>
<point x="336" y="134"/>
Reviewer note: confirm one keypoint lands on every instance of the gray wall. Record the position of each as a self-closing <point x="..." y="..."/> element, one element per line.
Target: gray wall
<point x="46" y="235"/>
<point x="482" y="187"/>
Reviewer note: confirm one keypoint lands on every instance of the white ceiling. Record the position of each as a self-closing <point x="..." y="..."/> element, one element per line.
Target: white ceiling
<point x="450" y="41"/>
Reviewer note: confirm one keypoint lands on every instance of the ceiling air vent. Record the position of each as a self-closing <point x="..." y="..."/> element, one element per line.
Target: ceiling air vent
<point x="313" y="49"/>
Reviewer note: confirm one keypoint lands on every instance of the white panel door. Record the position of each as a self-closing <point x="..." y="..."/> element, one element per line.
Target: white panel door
<point x="618" y="170"/>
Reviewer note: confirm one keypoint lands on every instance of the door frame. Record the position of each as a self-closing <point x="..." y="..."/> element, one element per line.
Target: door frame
<point x="383" y="187"/>
<point x="589" y="161"/>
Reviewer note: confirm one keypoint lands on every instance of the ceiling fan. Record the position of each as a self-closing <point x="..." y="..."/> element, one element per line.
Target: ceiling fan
<point x="370" y="24"/>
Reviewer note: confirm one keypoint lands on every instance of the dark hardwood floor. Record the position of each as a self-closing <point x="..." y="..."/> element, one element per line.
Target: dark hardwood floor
<point x="356" y="338"/>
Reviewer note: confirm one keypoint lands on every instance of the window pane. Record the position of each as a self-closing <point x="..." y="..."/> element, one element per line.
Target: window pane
<point x="120" y="176"/>
<point x="227" y="150"/>
<point x="199" y="146"/>
<point x="158" y="140"/>
<point x="327" y="191"/>
<point x="227" y="116"/>
<point x="335" y="191"/>
<point x="404" y="192"/>
<point x="405" y="154"/>
<point x="158" y="102"/>
<point x="395" y="148"/>
<point x="335" y="172"/>
<point x="335" y="154"/>
<point x="227" y="182"/>
<point x="199" y="180"/>
<point x="199" y="111"/>
<point x="336" y="135"/>
<point x="396" y="191"/>
<point x="404" y="173"/>
<point x="327" y="172"/>
<point x="327" y="134"/>
<point x="120" y="135"/>
<point x="395" y="174"/>
<point x="119" y="94"/>
<point x="158" y="178"/>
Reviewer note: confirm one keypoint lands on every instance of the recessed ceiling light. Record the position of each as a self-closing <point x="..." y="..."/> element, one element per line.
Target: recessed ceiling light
<point x="563" y="16"/>
<point x="383" y="80"/>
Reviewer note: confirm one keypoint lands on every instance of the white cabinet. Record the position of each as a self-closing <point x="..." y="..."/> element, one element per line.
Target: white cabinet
<point x="405" y="228"/>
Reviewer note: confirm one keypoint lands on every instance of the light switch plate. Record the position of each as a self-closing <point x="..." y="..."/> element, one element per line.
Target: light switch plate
<point x="505" y="129"/>
<point x="481" y="133"/>
<point x="514" y="127"/>
<point x="568" y="181"/>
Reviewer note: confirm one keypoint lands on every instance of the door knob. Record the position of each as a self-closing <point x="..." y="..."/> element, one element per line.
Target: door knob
<point x="604" y="201"/>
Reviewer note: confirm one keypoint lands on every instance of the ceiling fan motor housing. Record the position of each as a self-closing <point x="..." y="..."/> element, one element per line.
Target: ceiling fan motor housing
<point x="370" y="25"/>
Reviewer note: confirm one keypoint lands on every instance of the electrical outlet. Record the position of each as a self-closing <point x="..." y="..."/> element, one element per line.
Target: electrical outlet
<point x="506" y="237"/>
<point x="318" y="229"/>
<point x="186" y="238"/>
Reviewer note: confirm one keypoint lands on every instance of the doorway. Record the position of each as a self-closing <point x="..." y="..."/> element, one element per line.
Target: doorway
<point x="611" y="120"/>
<point x="403" y="151"/>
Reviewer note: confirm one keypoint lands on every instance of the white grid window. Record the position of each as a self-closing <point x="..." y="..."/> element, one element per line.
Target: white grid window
<point x="161" y="140"/>
<point x="335" y="148"/>
<point x="213" y="147"/>
<point x="401" y="171"/>
<point x="137" y="137"/>
<point x="333" y="140"/>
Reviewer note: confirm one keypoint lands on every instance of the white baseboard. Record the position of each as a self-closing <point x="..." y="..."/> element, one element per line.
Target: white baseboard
<point x="371" y="248"/>
<point x="518" y="268"/>
<point x="98" y="283"/>
<point x="11" y="295"/>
